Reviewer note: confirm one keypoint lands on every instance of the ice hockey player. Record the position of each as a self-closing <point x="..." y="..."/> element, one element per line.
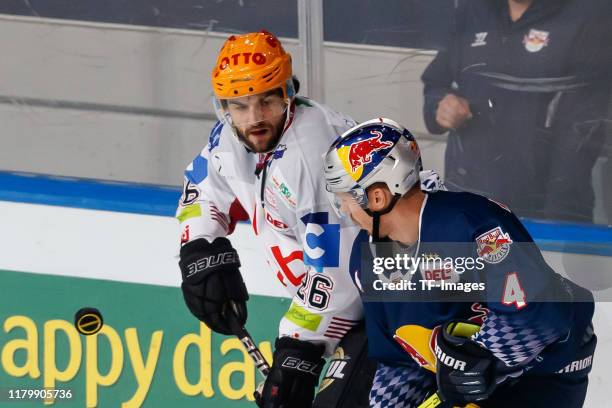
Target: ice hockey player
<point x="528" y="342"/>
<point x="263" y="162"/>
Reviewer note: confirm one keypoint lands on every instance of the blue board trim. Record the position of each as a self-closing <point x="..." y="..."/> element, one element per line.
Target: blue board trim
<point x="158" y="200"/>
<point x="89" y="194"/>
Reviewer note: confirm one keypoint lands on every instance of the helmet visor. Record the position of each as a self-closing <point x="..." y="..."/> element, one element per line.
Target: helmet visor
<point x="342" y="202"/>
<point x="249" y="110"/>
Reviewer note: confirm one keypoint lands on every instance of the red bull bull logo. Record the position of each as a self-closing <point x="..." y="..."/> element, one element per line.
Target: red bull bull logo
<point x="360" y="153"/>
<point x="494" y="245"/>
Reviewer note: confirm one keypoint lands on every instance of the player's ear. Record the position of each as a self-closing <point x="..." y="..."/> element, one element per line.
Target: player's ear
<point x="378" y="198"/>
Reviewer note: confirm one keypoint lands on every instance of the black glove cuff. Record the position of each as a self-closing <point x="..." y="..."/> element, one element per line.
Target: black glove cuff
<point x="200" y="258"/>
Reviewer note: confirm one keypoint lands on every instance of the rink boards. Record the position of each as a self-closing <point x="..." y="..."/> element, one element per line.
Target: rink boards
<point x="56" y="260"/>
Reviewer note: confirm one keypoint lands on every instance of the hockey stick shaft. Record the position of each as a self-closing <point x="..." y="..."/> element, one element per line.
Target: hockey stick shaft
<point x="260" y="362"/>
<point x="435" y="401"/>
<point x="247" y="341"/>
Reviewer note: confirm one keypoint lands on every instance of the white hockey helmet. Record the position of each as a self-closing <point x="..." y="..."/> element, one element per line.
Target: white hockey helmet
<point x="377" y="151"/>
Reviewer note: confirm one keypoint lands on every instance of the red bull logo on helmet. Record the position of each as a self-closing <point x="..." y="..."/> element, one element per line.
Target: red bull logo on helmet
<point x="355" y="156"/>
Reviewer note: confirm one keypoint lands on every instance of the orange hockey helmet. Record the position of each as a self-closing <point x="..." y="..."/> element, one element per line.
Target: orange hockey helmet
<point x="250" y="64"/>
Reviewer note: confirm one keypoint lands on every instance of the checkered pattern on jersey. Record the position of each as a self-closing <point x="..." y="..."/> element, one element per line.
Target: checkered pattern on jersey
<point x="400" y="387"/>
<point x="513" y="345"/>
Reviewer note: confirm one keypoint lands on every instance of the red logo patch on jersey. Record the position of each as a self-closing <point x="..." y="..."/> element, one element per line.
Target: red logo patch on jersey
<point x="185" y="235"/>
<point x="493" y="245"/>
<point x="435" y="268"/>
<point x="535" y="40"/>
<point x="275" y="222"/>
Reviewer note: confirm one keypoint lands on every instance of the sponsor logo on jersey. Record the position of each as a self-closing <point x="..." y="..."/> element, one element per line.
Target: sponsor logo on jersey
<point x="479" y="39"/>
<point x="335" y="370"/>
<point x="283" y="188"/>
<point x="577" y="365"/>
<point x="185" y="235"/>
<point x="279" y="152"/>
<point x="270" y="198"/>
<point x="535" y="40"/>
<point x="274" y="221"/>
<point x="321" y="241"/>
<point x="493" y="245"/>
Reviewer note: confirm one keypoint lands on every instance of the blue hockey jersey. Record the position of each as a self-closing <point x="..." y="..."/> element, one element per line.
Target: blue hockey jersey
<point x="532" y="318"/>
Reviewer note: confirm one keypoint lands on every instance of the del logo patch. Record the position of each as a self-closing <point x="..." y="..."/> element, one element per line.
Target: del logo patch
<point x="435" y="268"/>
<point x="493" y="245"/>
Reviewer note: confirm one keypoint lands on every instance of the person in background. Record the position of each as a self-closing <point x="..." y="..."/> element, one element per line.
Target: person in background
<point x="523" y="87"/>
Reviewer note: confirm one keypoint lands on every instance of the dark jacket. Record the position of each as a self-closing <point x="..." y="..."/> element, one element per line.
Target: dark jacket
<point x="538" y="89"/>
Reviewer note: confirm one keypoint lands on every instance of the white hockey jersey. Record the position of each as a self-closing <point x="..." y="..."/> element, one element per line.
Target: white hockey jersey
<point x="287" y="204"/>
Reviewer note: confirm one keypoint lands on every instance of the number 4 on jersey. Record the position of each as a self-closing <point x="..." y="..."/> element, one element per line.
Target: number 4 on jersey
<point x="513" y="292"/>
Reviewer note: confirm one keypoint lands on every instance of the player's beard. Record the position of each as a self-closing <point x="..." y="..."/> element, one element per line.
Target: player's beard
<point x="263" y="136"/>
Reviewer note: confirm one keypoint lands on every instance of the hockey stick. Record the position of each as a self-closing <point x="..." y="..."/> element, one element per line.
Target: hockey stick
<point x="247" y="341"/>
<point x="435" y="401"/>
<point x="336" y="400"/>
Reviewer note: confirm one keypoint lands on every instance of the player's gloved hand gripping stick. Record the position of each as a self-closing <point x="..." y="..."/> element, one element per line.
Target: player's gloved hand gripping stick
<point x="212" y="281"/>
<point x="463" y="368"/>
<point x="292" y="380"/>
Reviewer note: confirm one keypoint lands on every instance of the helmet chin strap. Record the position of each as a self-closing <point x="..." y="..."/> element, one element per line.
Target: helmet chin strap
<point x="376" y="219"/>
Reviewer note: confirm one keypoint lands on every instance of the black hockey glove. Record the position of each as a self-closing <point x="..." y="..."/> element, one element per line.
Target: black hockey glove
<point x="212" y="285"/>
<point x="294" y="375"/>
<point x="465" y="371"/>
